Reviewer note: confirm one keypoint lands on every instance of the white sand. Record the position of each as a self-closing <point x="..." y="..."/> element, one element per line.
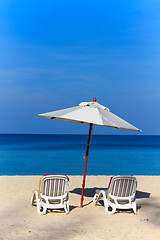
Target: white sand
<point x="19" y="220"/>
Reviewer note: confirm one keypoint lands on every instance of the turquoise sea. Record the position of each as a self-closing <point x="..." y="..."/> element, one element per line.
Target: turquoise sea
<point x="35" y="154"/>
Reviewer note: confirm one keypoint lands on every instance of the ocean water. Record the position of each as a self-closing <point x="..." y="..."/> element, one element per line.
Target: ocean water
<point x="27" y="154"/>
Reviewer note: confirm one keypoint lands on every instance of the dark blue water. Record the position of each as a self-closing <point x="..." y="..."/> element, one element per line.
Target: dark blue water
<point x="109" y="155"/>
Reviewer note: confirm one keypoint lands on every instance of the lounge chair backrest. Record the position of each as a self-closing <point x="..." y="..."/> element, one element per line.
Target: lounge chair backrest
<point x="54" y="185"/>
<point x="122" y="186"/>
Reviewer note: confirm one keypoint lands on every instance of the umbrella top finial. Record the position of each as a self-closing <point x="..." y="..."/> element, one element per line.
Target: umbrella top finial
<point x="94" y="99"/>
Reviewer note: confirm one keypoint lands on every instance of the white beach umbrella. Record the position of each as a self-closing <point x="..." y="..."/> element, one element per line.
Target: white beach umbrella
<point x="91" y="113"/>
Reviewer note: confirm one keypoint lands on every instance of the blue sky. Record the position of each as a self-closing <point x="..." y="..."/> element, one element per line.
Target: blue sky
<point x="56" y="54"/>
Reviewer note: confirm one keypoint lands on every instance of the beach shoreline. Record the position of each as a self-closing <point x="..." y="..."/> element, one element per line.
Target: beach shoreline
<point x="19" y="220"/>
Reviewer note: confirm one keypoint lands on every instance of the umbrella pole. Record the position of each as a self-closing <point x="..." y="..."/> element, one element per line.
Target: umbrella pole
<point x="85" y="167"/>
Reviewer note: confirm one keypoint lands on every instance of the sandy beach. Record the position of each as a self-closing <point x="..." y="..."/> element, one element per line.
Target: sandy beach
<point x="19" y="220"/>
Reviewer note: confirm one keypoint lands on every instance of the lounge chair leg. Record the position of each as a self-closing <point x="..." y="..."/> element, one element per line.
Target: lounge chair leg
<point x="95" y="198"/>
<point x="66" y="207"/>
<point x="134" y="208"/>
<point x="34" y="198"/>
<point x="66" y="204"/>
<point x="98" y="196"/>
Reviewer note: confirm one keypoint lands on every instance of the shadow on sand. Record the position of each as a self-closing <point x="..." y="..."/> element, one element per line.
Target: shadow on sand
<point x="89" y="192"/>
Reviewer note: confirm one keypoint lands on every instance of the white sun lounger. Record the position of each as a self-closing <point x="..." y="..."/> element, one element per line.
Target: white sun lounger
<point x="120" y="194"/>
<point x="53" y="194"/>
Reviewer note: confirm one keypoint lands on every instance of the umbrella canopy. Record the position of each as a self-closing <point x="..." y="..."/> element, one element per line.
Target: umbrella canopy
<point x="91" y="113"/>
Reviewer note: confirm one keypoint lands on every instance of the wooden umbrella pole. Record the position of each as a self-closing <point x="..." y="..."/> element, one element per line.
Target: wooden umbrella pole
<point x="85" y="167"/>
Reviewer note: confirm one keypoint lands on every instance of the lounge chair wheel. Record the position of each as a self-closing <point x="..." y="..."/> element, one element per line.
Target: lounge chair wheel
<point x="41" y="210"/>
<point x="110" y="210"/>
